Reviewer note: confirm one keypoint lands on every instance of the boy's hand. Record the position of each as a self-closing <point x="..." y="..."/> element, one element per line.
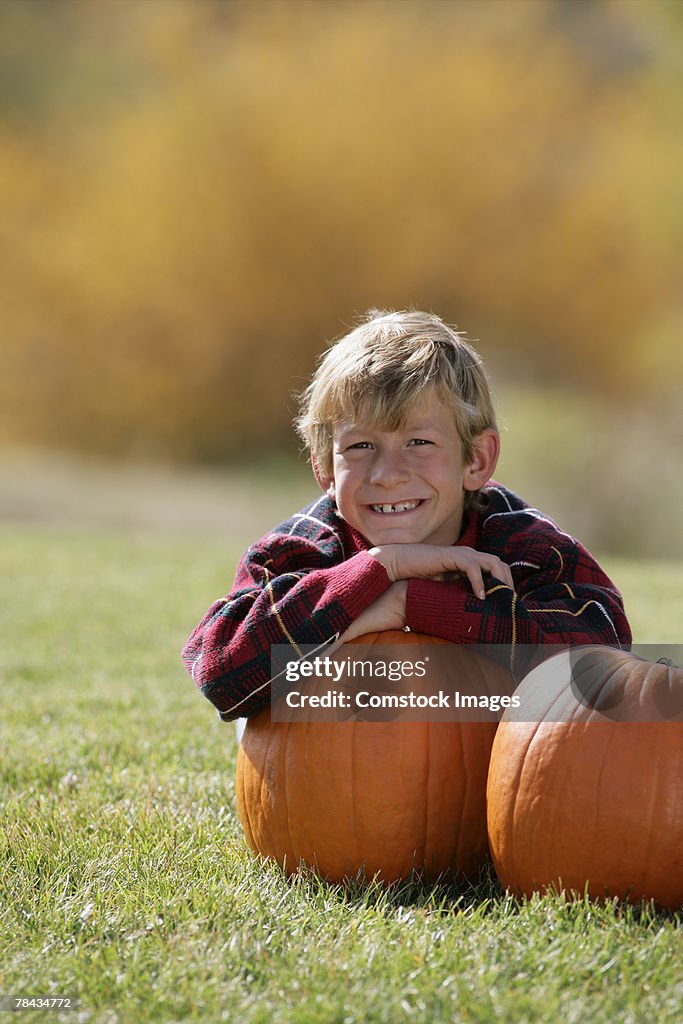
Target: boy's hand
<point x="387" y="612"/>
<point x="432" y="561"/>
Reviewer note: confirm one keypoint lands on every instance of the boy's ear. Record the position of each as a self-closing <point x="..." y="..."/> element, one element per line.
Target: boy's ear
<point x="483" y="464"/>
<point x="326" y="483"/>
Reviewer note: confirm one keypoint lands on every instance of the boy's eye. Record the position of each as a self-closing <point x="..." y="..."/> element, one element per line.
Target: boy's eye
<point x="419" y="441"/>
<point x="358" y="444"/>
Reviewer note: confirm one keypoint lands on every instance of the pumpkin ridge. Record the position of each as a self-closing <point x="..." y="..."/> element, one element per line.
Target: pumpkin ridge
<point x="249" y="773"/>
<point x="353" y="787"/>
<point x="590" y="849"/>
<point x="478" y="665"/>
<point x="654" y="803"/>
<point x="463" y="775"/>
<point x="263" y="771"/>
<point x="431" y="807"/>
<point x="420" y="857"/>
<point x="244" y="790"/>
<point x="605" y="688"/>
<point x="285" y="796"/>
<point x="518" y="786"/>
<point x="308" y="758"/>
<point x="557" y="808"/>
<point x="597" y="808"/>
<point x="674" y="768"/>
<point x="243" y="804"/>
<point x="467" y="792"/>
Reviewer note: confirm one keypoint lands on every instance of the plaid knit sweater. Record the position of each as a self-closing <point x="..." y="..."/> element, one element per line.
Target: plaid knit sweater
<point x="304" y="583"/>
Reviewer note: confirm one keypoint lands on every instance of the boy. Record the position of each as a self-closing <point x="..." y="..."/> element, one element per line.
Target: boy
<point x="411" y="531"/>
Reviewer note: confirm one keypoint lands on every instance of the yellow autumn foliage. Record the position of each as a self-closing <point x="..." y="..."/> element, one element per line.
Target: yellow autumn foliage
<point x="199" y="195"/>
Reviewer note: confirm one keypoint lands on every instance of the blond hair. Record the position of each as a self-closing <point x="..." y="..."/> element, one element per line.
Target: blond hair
<point x="381" y="368"/>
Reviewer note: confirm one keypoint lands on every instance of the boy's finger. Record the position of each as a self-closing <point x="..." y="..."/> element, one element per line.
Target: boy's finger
<point x="502" y="572"/>
<point x="477" y="581"/>
<point x="505" y="576"/>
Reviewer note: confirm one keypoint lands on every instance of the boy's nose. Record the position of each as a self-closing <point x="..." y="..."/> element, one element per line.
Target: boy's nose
<point x="388" y="470"/>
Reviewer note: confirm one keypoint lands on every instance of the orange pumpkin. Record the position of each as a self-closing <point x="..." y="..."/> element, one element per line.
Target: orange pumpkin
<point x="588" y="797"/>
<point x="383" y="797"/>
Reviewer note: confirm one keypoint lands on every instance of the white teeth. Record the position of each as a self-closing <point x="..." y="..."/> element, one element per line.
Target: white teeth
<point x="401" y="506"/>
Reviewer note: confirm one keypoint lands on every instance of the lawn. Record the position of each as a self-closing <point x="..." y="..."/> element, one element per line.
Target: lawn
<point x="125" y="881"/>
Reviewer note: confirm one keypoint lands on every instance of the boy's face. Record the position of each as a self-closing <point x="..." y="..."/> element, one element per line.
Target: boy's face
<point x="405" y="486"/>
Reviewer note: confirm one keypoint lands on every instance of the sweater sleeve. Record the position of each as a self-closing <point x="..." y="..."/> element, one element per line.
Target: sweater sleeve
<point x="561" y="597"/>
<point x="285" y="592"/>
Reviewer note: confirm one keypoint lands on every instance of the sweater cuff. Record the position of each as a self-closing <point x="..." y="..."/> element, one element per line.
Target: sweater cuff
<point x="358" y="582"/>
<point x="437" y="608"/>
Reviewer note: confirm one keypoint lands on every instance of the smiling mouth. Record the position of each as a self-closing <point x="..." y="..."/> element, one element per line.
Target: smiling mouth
<point x="399" y="506"/>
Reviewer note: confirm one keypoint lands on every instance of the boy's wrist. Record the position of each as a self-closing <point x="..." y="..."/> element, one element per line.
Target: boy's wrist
<point x="436" y="608"/>
<point x="384" y="558"/>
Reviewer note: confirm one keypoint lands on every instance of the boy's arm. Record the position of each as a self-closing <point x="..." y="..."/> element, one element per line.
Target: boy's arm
<point x="287" y="590"/>
<point x="561" y="596"/>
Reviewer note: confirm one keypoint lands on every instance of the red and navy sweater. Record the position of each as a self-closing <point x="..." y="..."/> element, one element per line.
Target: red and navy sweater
<point x="305" y="583"/>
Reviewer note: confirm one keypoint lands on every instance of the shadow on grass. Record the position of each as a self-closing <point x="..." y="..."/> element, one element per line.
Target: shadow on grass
<point x="477" y="898"/>
<point x="441" y="895"/>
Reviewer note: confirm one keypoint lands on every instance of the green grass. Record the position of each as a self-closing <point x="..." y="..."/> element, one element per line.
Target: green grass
<point x="125" y="879"/>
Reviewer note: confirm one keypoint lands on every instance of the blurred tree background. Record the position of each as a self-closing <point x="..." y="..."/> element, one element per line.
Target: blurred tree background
<point x="199" y="195"/>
